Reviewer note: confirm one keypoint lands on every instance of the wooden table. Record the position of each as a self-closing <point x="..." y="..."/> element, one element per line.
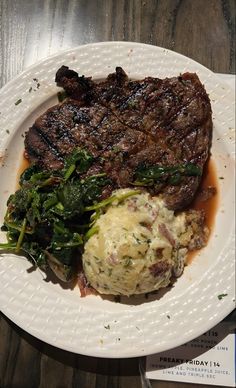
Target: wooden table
<point x="31" y="30"/>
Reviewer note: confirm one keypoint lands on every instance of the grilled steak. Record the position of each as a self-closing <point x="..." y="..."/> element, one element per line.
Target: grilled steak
<point x="126" y="124"/>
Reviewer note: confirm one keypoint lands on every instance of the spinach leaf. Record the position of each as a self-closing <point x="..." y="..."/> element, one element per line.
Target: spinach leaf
<point x="150" y="175"/>
<point x="70" y="200"/>
<point x="79" y="160"/>
<point x="27" y="174"/>
<point x="46" y="218"/>
<point x="36" y="255"/>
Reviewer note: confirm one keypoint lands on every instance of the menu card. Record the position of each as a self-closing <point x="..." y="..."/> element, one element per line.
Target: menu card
<point x="208" y="359"/>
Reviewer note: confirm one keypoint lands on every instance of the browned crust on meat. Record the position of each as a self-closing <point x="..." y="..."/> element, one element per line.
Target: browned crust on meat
<point x="125" y="124"/>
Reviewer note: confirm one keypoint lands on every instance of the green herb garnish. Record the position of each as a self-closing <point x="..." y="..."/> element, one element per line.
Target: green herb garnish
<point x="18" y="101"/>
<point x="221" y="296"/>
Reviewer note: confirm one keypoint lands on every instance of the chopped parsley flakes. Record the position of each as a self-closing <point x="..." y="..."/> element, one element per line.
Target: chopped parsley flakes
<point x="18" y="101"/>
<point x="221" y="296"/>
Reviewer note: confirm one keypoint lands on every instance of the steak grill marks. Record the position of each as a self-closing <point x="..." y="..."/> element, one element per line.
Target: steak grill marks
<point x="125" y="124"/>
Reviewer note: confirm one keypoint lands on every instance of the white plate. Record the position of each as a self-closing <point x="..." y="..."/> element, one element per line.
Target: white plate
<point x="91" y="325"/>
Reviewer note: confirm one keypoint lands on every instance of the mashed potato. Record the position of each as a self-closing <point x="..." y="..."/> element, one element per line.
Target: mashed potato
<point x="139" y="247"/>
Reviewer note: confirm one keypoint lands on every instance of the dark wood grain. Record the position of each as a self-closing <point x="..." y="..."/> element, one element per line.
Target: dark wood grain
<point x="28" y="362"/>
<point x="202" y="30"/>
<point x="31" y="30"/>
